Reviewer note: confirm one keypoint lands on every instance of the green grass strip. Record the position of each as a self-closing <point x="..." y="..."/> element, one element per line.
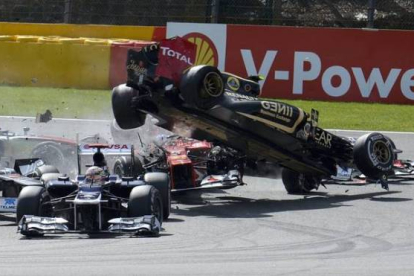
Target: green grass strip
<point x="96" y="104"/>
<point x="63" y="103"/>
<point x="361" y="116"/>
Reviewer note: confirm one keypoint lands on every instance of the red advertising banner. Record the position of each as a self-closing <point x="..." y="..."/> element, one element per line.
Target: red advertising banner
<point x="325" y="63"/>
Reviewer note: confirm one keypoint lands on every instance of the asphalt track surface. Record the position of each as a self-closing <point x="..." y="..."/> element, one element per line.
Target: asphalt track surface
<point x="250" y="230"/>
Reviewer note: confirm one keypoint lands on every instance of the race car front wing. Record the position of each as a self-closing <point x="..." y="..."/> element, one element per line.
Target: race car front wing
<point x="140" y="226"/>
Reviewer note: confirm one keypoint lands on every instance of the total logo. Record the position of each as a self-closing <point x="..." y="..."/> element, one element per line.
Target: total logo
<point x="206" y="50"/>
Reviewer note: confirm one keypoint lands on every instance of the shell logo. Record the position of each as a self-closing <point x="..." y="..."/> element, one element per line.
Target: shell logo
<point x="206" y="50"/>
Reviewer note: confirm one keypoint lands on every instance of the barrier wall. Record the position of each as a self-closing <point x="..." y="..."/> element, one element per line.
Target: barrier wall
<point x="96" y="31"/>
<point x="66" y="55"/>
<point x="51" y="62"/>
<point x="297" y="63"/>
<point x="313" y="63"/>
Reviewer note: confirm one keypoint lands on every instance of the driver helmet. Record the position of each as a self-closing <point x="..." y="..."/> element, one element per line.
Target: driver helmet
<point x="160" y="139"/>
<point x="95" y="175"/>
<point x="99" y="159"/>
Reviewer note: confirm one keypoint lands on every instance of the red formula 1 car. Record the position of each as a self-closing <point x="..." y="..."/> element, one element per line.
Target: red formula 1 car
<point x="191" y="164"/>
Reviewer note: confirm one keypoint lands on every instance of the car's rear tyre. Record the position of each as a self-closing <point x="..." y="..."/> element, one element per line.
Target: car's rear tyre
<point x="374" y="155"/>
<point x="29" y="203"/>
<point x="45" y="169"/>
<point x="125" y="115"/>
<point x="124" y="167"/>
<point x="297" y="183"/>
<point x="145" y="200"/>
<point x="50" y="176"/>
<point x="202" y="86"/>
<point x="161" y="181"/>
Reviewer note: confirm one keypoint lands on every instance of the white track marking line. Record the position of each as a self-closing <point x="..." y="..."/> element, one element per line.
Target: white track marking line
<point x="55" y="119"/>
<point x="109" y="121"/>
<point x="382" y="131"/>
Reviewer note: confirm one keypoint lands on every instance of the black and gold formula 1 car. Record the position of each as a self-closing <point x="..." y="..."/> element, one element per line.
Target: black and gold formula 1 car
<point x="225" y="108"/>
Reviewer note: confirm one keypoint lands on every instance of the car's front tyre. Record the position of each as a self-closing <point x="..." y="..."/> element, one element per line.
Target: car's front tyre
<point x="30" y="203"/>
<point x="297" y="183"/>
<point x="161" y="181"/>
<point x="374" y="155"/>
<point x="145" y="200"/>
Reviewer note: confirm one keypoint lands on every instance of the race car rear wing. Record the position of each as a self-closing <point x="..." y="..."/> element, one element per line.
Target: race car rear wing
<point x="113" y="150"/>
<point x="106" y="149"/>
<point x="161" y="63"/>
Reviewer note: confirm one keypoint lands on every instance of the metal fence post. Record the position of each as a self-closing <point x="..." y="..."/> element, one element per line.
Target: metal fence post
<point x="215" y="10"/>
<point x="68" y="11"/>
<point x="371" y="13"/>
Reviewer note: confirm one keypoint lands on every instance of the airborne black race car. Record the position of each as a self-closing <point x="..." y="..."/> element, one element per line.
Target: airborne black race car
<point x="225" y="108"/>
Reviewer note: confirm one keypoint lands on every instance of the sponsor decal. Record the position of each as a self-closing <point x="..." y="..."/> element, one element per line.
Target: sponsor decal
<point x="8" y="203"/>
<point x="343" y="173"/>
<point x="206" y="50"/>
<point x="372" y="156"/>
<point x="233" y="83"/>
<point x="140" y="71"/>
<point x="335" y="81"/>
<point x="247" y="88"/>
<point x="275" y="115"/>
<point x="279" y="108"/>
<point x="314" y="117"/>
<point x="211" y="41"/>
<point x="114" y="146"/>
<point x="240" y="96"/>
<point x="377" y="137"/>
<point x="151" y="47"/>
<point x="176" y="55"/>
<point x="166" y="51"/>
<point x="323" y="138"/>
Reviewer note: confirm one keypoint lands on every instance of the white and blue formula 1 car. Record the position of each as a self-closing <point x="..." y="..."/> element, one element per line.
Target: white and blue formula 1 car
<point x="26" y="172"/>
<point x="96" y="201"/>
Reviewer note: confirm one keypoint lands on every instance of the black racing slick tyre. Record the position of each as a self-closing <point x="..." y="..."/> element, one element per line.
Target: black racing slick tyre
<point x="45" y="169"/>
<point x="161" y="181"/>
<point x="125" y="167"/>
<point x="29" y="203"/>
<point x="297" y="183"/>
<point x="374" y="155"/>
<point x="50" y="176"/>
<point x="202" y="86"/>
<point x="125" y="115"/>
<point x="145" y="200"/>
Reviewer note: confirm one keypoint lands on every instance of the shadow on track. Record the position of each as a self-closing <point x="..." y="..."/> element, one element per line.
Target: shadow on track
<point x="242" y="207"/>
<point x="8" y="219"/>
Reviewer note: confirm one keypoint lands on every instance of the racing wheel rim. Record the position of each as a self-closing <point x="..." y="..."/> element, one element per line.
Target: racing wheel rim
<point x="381" y="152"/>
<point x="213" y="85"/>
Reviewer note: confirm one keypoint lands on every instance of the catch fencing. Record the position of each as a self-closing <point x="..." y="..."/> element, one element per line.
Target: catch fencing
<point x="383" y="14"/>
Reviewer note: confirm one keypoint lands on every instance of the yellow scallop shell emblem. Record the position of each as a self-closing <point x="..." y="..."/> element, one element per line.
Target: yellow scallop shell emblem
<point x="206" y="50"/>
